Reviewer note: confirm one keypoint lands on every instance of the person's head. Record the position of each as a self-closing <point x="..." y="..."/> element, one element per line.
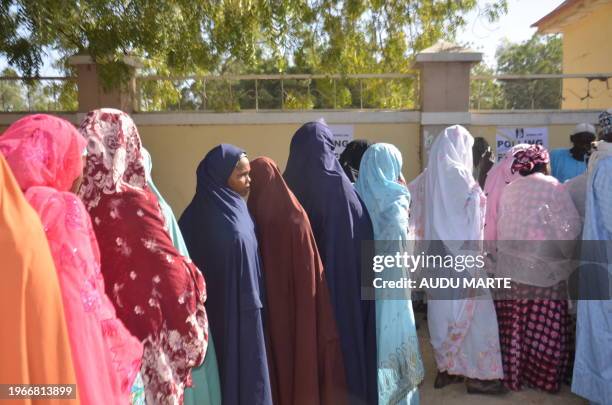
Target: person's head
<point x="350" y="158"/>
<point x="240" y="179"/>
<point x="605" y="125"/>
<point x="43" y="150"/>
<point x="114" y="160"/>
<point x="478" y="149"/>
<point x="583" y="137"/>
<point x="534" y="159"/>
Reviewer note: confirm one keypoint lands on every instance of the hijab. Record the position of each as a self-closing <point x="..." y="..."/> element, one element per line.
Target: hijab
<point x="157" y="293"/>
<point x="350" y="158"/>
<point x="220" y="236"/>
<point x="47" y="154"/>
<point x="33" y="314"/>
<point x="305" y="348"/>
<point x="340" y="222"/>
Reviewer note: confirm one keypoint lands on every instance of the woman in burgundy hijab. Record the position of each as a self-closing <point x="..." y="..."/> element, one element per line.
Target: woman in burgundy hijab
<point x="305" y="351"/>
<point x="157" y="293"/>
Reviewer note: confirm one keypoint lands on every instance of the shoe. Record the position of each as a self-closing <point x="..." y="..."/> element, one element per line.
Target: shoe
<point x="489" y="387"/>
<point x="443" y="379"/>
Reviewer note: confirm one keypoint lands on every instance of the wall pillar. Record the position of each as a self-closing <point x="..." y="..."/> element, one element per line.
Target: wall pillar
<point x="92" y="95"/>
<point x="445" y="89"/>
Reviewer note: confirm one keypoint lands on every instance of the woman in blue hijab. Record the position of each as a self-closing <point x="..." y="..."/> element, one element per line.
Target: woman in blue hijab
<point x="206" y="389"/>
<point x="220" y="236"/>
<point x="382" y="187"/>
<point x="340" y="223"/>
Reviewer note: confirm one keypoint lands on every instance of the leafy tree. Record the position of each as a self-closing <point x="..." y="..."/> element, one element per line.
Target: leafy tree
<point x="540" y="54"/>
<point x="243" y="36"/>
<point x="10" y="93"/>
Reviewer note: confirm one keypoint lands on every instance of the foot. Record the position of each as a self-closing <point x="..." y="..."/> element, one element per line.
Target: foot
<point x="490" y="387"/>
<point x="443" y="379"/>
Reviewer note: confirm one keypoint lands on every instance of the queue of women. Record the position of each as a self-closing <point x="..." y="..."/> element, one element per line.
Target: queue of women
<point x="254" y="295"/>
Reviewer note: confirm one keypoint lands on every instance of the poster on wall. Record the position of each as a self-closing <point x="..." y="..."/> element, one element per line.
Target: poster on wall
<point x="343" y="134"/>
<point x="507" y="137"/>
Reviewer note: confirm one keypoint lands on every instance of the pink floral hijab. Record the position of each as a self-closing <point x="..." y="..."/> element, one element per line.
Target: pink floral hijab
<point x="45" y="153"/>
<point x="43" y="150"/>
<point x="114" y="159"/>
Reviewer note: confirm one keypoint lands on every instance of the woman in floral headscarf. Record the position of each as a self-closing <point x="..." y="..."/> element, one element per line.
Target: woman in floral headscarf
<point x="158" y="293"/>
<point x="45" y="153"/>
<point x="537" y="227"/>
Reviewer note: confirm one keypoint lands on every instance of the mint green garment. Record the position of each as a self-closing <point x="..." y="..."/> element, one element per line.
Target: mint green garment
<point x="206" y="389"/>
<point x="400" y="367"/>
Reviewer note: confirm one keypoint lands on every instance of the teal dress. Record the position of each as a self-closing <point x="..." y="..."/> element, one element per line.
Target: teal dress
<point x="206" y="388"/>
<point x="400" y="366"/>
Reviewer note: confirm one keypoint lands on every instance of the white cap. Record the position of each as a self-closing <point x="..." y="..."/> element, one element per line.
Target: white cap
<point x="584" y="127"/>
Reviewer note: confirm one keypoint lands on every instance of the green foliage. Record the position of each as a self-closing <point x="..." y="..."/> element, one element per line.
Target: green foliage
<point x="540" y="54"/>
<point x="239" y="36"/>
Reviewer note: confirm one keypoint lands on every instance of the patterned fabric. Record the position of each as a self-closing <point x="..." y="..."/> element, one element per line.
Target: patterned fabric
<point x="463" y="332"/>
<point x="157" y="293"/>
<point x="535" y="337"/>
<point x="47" y="154"/>
<point x="526" y="160"/>
<point x="114" y="161"/>
<point x="605" y="121"/>
<point x="537" y="228"/>
<point x="206" y="389"/>
<point x="43" y="150"/>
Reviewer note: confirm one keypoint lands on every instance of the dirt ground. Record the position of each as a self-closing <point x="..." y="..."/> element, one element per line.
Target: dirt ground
<point x="456" y="393"/>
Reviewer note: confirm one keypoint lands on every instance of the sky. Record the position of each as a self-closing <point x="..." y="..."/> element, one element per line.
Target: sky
<point x="514" y="25"/>
<point x="478" y="32"/>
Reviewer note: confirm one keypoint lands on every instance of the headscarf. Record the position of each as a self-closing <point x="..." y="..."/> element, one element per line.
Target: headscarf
<point x="383" y="190"/>
<point x="387" y="200"/>
<point x="498" y="178"/>
<point x="350" y="158"/>
<point x="339" y="223"/>
<point x="43" y="150"/>
<point x="605" y="121"/>
<point x="527" y="159"/>
<point x="114" y="158"/>
<point x="55" y="148"/>
<point x="537" y="228"/>
<point x="304" y="342"/>
<point x="220" y="236"/>
<point x="454" y="201"/>
<point x="157" y="293"/>
<point x="463" y="332"/>
<point x="206" y="388"/>
<point x="35" y="345"/>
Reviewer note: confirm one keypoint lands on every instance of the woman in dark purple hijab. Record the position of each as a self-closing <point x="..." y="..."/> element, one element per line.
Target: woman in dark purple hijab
<point x="220" y="237"/>
<point x="340" y="222"/>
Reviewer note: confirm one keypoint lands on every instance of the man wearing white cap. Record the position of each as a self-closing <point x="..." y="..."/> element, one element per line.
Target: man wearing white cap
<point x="568" y="163"/>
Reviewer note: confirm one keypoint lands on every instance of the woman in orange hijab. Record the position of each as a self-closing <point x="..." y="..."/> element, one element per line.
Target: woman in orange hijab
<point x="45" y="154"/>
<point x="34" y="343"/>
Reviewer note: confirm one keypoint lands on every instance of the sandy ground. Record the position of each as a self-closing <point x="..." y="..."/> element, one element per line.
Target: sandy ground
<point x="456" y="393"/>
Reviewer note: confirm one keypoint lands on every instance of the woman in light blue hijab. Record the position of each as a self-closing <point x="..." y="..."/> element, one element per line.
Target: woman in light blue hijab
<point x="382" y="188"/>
<point x="206" y="389"/>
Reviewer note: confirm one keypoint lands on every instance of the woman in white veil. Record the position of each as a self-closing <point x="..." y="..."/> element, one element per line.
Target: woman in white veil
<point x="463" y="331"/>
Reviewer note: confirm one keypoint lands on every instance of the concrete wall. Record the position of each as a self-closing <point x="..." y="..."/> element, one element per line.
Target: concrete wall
<point x="586" y="49"/>
<point x="178" y="142"/>
<point x="178" y="149"/>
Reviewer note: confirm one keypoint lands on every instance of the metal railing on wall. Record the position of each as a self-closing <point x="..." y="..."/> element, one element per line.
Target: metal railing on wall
<point x="539" y="91"/>
<point x="40" y="94"/>
<point x="262" y="92"/>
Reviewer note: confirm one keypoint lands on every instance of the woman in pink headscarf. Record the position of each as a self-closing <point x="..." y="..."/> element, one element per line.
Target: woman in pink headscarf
<point x="158" y="293"/>
<point x="537" y="228"/>
<point x="45" y="154"/>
